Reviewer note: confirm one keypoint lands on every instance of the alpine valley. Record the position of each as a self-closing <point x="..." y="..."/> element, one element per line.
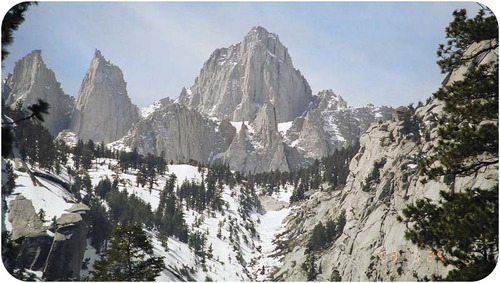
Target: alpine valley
<point x="229" y="181"/>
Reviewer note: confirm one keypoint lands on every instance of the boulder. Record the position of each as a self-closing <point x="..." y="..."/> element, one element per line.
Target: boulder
<point x="68" y="248"/>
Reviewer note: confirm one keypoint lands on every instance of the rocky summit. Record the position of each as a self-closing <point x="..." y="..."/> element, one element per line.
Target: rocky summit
<point x="249" y="108"/>
<point x="32" y="80"/>
<point x="251" y="89"/>
<point x="103" y="111"/>
<point x="235" y="82"/>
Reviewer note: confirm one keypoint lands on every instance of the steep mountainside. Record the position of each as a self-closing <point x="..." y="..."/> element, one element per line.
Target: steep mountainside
<point x="327" y="126"/>
<point x="32" y="80"/>
<point x="257" y="147"/>
<point x="260" y="145"/>
<point x="240" y="240"/>
<point x="235" y="82"/>
<point x="253" y="90"/>
<point x="103" y="109"/>
<point x="180" y="133"/>
<point x="372" y="246"/>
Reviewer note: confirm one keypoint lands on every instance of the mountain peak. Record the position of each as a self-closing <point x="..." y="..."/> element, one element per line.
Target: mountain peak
<point x="31" y="80"/>
<point x="36" y="53"/>
<point x="259" y="32"/>
<point x="98" y="54"/>
<point x="329" y="100"/>
<point x="258" y="29"/>
<point x="103" y="103"/>
<point x="236" y="81"/>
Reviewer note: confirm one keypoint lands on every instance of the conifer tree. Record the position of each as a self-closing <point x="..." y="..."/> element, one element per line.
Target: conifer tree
<point x="11" y="22"/>
<point x="129" y="257"/>
<point x="462" y="227"/>
<point x="468" y="131"/>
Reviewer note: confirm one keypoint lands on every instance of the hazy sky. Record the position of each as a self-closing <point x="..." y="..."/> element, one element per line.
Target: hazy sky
<point x="383" y="53"/>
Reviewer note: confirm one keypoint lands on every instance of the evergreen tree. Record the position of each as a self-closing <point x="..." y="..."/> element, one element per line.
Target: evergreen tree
<point x="129" y="257"/>
<point x="468" y="131"/>
<point x="10" y="184"/>
<point x="309" y="266"/>
<point x="11" y="22"/>
<point x="462" y="228"/>
<point x="99" y="225"/>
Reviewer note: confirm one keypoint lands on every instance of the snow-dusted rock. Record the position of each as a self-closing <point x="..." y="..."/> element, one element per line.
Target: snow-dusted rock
<point x="68" y="137"/>
<point x="103" y="110"/>
<point x="235" y="82"/>
<point x="328" y="100"/>
<point x="68" y="248"/>
<point x="372" y="246"/>
<point x="25" y="221"/>
<point x="32" y="80"/>
<point x="181" y="134"/>
<point x="259" y="146"/>
<point x="328" y="125"/>
<point x="29" y="233"/>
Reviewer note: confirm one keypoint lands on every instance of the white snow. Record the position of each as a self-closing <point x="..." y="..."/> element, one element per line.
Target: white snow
<point x="119" y="145"/>
<point x="184" y="172"/>
<point x="148" y="110"/>
<point x="238" y="125"/>
<point x="284" y="126"/>
<point x="50" y="197"/>
<point x="224" y="265"/>
<point x="412" y="166"/>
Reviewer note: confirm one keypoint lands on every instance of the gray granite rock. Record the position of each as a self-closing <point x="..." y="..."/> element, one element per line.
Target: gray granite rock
<point x="103" y="109"/>
<point x="32" y="80"/>
<point x="235" y="82"/>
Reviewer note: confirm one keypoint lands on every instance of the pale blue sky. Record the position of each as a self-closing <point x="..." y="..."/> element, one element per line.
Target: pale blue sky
<point x="381" y="53"/>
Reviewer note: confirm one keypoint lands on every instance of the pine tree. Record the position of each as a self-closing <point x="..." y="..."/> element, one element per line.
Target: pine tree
<point x="10" y="184"/>
<point x="129" y="257"/>
<point x="41" y="214"/>
<point x="11" y="22"/>
<point x="309" y="266"/>
<point x="462" y="228"/>
<point x="468" y="131"/>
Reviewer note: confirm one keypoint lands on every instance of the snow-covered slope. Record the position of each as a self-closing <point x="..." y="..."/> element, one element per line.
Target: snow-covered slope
<point x="237" y="254"/>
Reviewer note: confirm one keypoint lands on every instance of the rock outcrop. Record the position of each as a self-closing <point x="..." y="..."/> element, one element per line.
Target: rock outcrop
<point x="32" y="80"/>
<point x="68" y="248"/>
<point x="329" y="125"/>
<point x="58" y="255"/>
<point x="29" y="233"/>
<point x="235" y="82"/>
<point x="372" y="246"/>
<point x="103" y="109"/>
<point x="258" y="147"/>
<point x="250" y="108"/>
<point x="180" y="133"/>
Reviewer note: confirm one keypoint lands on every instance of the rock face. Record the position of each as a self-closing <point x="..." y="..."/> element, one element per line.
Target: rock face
<point x="372" y="246"/>
<point x="235" y="82"/>
<point x="58" y="255"/>
<point x="181" y="134"/>
<point x="250" y="108"/>
<point x="29" y="233"/>
<point x="103" y="110"/>
<point x="259" y="146"/>
<point x="32" y="80"/>
<point x="327" y="126"/>
<point x="66" y="254"/>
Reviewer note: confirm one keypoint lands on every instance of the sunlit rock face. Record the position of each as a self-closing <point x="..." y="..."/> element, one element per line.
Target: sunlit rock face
<point x="32" y="80"/>
<point x="103" y="109"/>
<point x="235" y="82"/>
